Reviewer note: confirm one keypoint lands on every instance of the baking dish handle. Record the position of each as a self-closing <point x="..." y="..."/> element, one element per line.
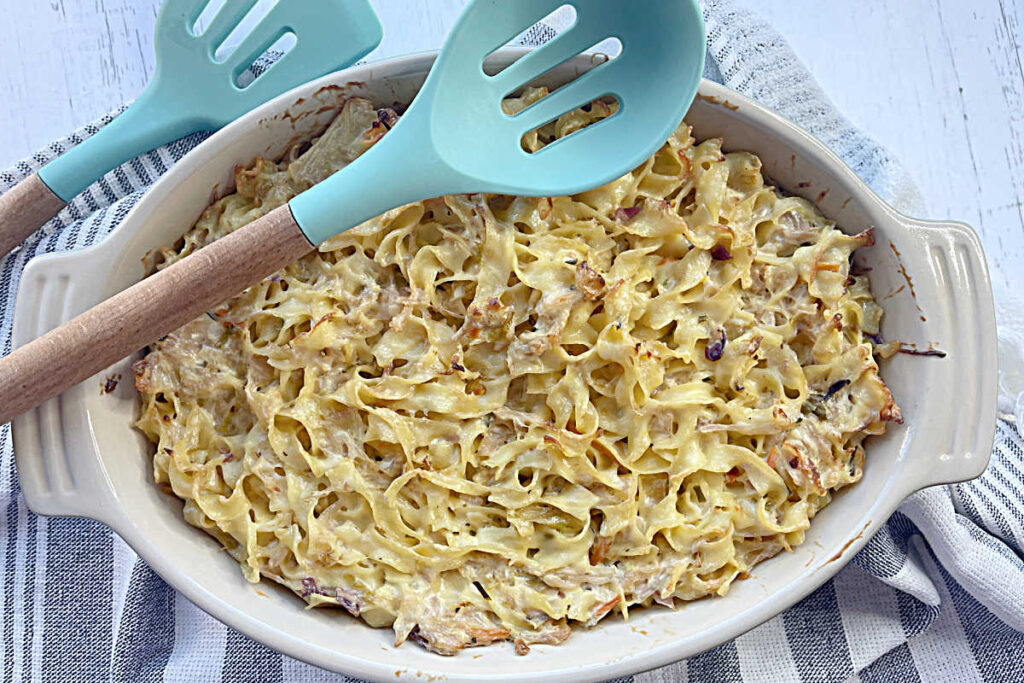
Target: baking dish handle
<point x="63" y="478"/>
<point x="59" y="476"/>
<point x="956" y="446"/>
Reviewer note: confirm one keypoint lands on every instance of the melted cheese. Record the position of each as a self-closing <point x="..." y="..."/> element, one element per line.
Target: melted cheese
<point x="480" y="418"/>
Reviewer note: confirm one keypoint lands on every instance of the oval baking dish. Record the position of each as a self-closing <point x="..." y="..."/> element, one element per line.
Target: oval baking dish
<point x="79" y="454"/>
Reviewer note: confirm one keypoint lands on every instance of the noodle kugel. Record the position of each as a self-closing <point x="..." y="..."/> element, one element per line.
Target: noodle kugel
<point x="481" y="418"/>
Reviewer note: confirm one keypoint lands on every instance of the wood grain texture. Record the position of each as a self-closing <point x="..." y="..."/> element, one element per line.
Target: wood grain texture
<point x="938" y="82"/>
<point x="25" y="208"/>
<point x="147" y="311"/>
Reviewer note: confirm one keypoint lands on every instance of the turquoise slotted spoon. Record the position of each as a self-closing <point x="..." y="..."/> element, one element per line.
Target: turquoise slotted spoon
<point x="454" y="138"/>
<point x="193" y="89"/>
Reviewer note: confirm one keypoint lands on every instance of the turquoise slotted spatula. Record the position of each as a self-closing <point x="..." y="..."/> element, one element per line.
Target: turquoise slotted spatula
<point x="195" y="89"/>
<point x="454" y="138"/>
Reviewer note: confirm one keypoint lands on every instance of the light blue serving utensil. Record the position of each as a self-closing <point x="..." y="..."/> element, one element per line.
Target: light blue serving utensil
<point x="195" y="88"/>
<point x="454" y="138"/>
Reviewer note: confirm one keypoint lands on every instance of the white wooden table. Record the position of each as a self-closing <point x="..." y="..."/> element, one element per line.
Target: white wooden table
<point x="939" y="82"/>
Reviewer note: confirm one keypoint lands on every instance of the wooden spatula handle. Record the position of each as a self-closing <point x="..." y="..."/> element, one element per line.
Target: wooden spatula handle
<point x="24" y="209"/>
<point x="147" y="311"/>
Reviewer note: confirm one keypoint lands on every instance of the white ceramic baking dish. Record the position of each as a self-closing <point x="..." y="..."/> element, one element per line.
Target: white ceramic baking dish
<point x="79" y="455"/>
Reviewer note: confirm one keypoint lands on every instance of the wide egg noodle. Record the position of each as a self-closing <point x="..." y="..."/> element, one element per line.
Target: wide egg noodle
<point x="484" y="418"/>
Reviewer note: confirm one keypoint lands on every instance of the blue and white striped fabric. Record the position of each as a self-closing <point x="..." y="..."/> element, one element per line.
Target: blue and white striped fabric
<point x="938" y="594"/>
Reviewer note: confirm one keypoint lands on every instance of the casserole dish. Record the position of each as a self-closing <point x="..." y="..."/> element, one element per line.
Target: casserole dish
<point x="80" y="455"/>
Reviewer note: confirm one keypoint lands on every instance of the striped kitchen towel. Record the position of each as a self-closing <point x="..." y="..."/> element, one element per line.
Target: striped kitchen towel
<point x="938" y="594"/>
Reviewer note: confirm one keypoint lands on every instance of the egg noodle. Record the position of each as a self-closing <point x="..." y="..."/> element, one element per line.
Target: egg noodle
<point x="482" y="418"/>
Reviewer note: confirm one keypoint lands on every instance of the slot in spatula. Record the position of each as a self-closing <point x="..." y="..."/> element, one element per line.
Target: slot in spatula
<point x="194" y="88"/>
<point x="454" y="138"/>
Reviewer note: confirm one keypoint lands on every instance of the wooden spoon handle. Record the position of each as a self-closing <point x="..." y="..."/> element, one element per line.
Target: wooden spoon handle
<point x="147" y="311"/>
<point x="24" y="209"/>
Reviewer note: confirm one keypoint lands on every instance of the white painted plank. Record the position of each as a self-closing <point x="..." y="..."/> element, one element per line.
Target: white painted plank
<point x="65" y="62"/>
<point x="939" y="83"/>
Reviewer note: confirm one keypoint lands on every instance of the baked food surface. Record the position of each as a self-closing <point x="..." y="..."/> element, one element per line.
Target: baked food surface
<point x="484" y="418"/>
